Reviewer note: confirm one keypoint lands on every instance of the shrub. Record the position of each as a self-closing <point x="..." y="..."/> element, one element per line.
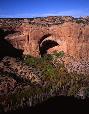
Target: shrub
<point x="58" y="54"/>
<point x="48" y="57"/>
<point x="80" y="21"/>
<point x="58" y="76"/>
<point x="29" y="60"/>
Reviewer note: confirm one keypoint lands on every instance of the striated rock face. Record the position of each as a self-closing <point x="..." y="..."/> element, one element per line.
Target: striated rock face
<point x="36" y="36"/>
<point x="73" y="38"/>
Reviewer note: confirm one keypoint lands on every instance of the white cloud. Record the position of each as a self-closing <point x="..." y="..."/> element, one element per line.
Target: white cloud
<point x="75" y="13"/>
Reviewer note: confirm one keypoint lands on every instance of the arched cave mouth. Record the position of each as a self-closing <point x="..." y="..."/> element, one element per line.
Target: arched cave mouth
<point x="7" y="49"/>
<point x="47" y="44"/>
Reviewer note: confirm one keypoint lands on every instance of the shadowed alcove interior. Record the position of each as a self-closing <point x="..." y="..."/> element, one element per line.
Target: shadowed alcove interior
<point x="44" y="45"/>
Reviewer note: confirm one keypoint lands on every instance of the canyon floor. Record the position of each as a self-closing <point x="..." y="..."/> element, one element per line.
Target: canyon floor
<point x="29" y="81"/>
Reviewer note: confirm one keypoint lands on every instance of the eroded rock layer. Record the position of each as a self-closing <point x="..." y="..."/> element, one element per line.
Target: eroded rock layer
<point x="32" y="35"/>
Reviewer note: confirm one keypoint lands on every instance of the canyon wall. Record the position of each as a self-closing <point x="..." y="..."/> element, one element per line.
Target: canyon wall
<point x="71" y="36"/>
<point x="73" y="39"/>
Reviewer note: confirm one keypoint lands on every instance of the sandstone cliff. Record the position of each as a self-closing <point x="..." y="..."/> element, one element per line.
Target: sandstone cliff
<point x="71" y="35"/>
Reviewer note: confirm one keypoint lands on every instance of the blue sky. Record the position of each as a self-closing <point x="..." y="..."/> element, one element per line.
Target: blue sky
<point x="37" y="8"/>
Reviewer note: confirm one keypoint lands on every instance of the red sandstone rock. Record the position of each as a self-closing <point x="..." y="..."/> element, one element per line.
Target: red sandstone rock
<point x="72" y="36"/>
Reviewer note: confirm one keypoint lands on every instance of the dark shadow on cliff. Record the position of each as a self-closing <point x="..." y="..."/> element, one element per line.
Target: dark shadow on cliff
<point x="44" y="37"/>
<point x="47" y="45"/>
<point x="7" y="49"/>
<point x="4" y="33"/>
<point x="58" y="105"/>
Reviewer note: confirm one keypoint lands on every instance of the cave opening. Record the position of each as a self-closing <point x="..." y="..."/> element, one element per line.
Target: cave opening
<point x="47" y="44"/>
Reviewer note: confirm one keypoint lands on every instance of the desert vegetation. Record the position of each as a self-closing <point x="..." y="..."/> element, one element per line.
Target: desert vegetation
<point x="55" y="81"/>
<point x="26" y="80"/>
<point x="57" y="75"/>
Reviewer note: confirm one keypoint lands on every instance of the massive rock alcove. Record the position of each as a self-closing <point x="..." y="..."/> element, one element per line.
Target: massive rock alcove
<point x="70" y="37"/>
<point x="47" y="45"/>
